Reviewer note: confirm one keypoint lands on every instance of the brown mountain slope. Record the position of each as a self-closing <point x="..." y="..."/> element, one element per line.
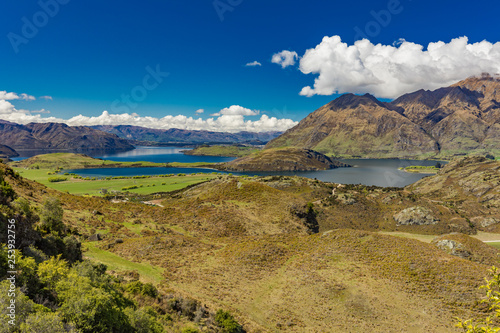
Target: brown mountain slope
<point x="358" y="126"/>
<point x="459" y="119"/>
<point x="58" y="136"/>
<point x="462" y="117"/>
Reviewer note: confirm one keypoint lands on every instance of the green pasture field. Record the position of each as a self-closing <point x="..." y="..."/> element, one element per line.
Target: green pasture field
<point x="94" y="187"/>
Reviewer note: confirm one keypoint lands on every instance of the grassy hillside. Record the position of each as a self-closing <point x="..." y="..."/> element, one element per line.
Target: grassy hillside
<point x="288" y="253"/>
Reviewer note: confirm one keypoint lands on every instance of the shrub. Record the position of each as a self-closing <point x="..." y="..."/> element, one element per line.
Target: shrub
<point x="42" y="322"/>
<point x="51" y="216"/>
<point x="72" y="249"/>
<point x="52" y="271"/>
<point x="149" y="290"/>
<point x="23" y="206"/>
<point x="190" y="330"/>
<point x="137" y="287"/>
<point x="7" y="194"/>
<point x="129" y="187"/>
<point x="143" y="320"/>
<point x="227" y="322"/>
<point x="90" y="309"/>
<point x="35" y="253"/>
<point x="24" y="306"/>
<point x="57" y="179"/>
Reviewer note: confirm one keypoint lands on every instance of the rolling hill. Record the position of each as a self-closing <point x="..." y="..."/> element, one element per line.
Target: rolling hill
<point x="294" y="254"/>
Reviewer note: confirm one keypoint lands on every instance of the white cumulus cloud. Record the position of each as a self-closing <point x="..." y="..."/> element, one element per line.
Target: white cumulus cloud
<point x="199" y="111"/>
<point x="253" y="64"/>
<point x="9" y="96"/>
<point x="231" y="119"/>
<point x="285" y="58"/>
<point x="236" y="110"/>
<point x="389" y="71"/>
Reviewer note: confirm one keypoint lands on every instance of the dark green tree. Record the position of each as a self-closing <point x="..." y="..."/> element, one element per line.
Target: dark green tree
<point x="51" y="216"/>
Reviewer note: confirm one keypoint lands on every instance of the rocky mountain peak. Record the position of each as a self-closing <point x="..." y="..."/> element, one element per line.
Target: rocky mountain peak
<point x="351" y="101"/>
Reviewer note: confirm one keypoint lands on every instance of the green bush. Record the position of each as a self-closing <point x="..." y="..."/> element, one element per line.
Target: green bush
<point x="7" y="194"/>
<point x="190" y="330"/>
<point x="42" y="322"/>
<point x="129" y="187"/>
<point x="227" y="322"/>
<point x="24" y="307"/>
<point x="51" y="216"/>
<point x="23" y="206"/>
<point x="73" y="249"/>
<point x="143" y="320"/>
<point x="90" y="309"/>
<point x="146" y="289"/>
<point x="57" y="179"/>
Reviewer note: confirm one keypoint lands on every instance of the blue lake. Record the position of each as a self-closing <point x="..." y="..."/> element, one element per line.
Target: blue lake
<point x="159" y="155"/>
<point x="365" y="171"/>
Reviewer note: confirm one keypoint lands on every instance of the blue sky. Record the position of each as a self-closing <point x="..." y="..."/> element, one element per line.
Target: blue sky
<point x="91" y="53"/>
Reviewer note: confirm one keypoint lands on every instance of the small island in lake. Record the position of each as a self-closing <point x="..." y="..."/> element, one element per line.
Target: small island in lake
<point x="283" y="159"/>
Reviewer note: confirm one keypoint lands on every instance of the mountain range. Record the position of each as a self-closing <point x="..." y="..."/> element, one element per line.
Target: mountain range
<point x="142" y="135"/>
<point x="455" y="120"/>
<point x="56" y="136"/>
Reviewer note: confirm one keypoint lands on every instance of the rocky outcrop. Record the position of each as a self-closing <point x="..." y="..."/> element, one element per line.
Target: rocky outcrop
<point x="286" y="159"/>
<point x="466" y="247"/>
<point x="415" y="216"/>
<point x="484" y="221"/>
<point x="452" y="247"/>
<point x="469" y="186"/>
